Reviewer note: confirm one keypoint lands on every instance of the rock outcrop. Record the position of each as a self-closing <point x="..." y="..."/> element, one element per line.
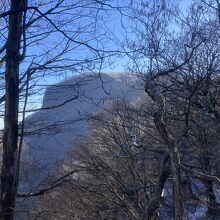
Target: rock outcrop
<point x="67" y="108"/>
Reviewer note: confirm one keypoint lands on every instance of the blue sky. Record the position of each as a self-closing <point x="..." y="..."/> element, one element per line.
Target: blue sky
<point x="113" y="24"/>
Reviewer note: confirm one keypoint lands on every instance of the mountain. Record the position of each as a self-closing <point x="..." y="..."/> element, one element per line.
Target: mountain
<point x="67" y="109"/>
<point x="64" y="116"/>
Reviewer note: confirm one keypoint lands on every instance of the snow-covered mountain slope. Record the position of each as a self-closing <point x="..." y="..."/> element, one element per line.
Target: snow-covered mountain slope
<point x="67" y="108"/>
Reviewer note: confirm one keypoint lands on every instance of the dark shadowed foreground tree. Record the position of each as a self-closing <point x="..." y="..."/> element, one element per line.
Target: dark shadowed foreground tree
<point x="9" y="172"/>
<point x="41" y="39"/>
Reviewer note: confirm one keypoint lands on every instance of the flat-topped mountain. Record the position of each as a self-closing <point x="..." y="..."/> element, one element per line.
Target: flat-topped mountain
<point x="67" y="108"/>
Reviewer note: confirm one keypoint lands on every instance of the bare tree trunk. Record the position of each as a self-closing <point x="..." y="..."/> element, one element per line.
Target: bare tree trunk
<point x="9" y="175"/>
<point x="210" y="191"/>
<point x="175" y="166"/>
<point x="155" y="202"/>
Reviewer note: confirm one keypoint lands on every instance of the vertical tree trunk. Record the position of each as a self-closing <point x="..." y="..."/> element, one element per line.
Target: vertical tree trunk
<point x="209" y="185"/>
<point x="155" y="201"/>
<point x="175" y="166"/>
<point x="9" y="176"/>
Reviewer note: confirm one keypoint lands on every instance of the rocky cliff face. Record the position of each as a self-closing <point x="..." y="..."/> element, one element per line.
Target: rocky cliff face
<point x="67" y="108"/>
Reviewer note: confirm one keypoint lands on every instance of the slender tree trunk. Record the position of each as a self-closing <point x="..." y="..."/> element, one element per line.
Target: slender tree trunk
<point x="175" y="166"/>
<point x="209" y="185"/>
<point x="155" y="202"/>
<point x="177" y="184"/>
<point x="9" y="175"/>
